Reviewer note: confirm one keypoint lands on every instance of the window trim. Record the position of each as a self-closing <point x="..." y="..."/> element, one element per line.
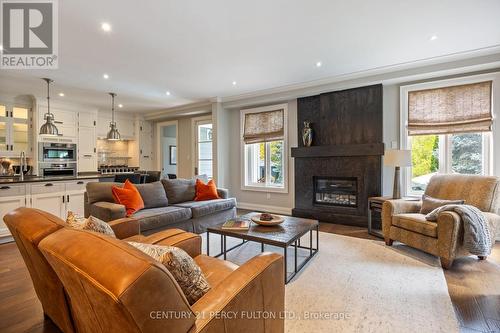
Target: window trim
<point x="244" y="165"/>
<point x="444" y="139"/>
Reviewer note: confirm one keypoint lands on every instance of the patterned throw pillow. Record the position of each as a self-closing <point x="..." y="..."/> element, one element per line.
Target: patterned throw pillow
<point x="90" y="224"/>
<point x="183" y="268"/>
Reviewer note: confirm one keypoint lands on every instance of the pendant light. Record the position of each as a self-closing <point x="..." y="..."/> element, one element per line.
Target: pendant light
<point x="113" y="134"/>
<point x="48" y="128"/>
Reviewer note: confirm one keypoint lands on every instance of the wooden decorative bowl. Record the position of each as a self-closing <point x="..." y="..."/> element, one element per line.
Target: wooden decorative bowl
<point x="275" y="221"/>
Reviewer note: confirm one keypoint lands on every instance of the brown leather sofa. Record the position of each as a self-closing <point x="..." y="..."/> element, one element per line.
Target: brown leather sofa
<point x="29" y="226"/>
<point x="402" y="221"/>
<point x="109" y="286"/>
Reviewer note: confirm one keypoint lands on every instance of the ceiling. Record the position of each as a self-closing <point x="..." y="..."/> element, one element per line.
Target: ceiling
<point x="196" y="49"/>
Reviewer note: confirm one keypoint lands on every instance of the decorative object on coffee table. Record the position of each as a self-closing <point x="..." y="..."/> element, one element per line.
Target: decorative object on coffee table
<point x="288" y="234"/>
<point x="307" y="134"/>
<point x="267" y="219"/>
<point x="397" y="158"/>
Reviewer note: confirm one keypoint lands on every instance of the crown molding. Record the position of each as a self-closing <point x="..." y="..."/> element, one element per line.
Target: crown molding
<point x="181" y="110"/>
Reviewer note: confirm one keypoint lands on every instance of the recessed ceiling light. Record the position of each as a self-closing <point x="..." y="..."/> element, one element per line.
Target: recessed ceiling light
<point x="120" y="105"/>
<point x="167" y="93"/>
<point x="1" y="47"/>
<point x="319" y="64"/>
<point x="61" y="94"/>
<point x="433" y="37"/>
<point x="234" y="83"/>
<point x="106" y="26"/>
<point x="106" y="76"/>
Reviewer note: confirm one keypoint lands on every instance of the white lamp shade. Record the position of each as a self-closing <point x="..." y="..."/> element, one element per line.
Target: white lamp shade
<point x="397" y="157"/>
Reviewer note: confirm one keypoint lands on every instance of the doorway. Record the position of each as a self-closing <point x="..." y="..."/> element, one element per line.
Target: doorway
<point x="167" y="145"/>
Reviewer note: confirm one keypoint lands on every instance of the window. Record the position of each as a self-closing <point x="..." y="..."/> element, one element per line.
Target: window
<point x="465" y="153"/>
<point x="448" y="130"/>
<point x="264" y="149"/>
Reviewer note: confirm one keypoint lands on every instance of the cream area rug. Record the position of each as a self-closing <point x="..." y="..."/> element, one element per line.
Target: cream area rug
<point x="358" y="285"/>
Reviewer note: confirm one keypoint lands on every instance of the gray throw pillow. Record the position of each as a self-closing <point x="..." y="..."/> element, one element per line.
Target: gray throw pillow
<point x="153" y="194"/>
<point x="182" y="267"/>
<point x="181" y="190"/>
<point x="101" y="191"/>
<point x="429" y="203"/>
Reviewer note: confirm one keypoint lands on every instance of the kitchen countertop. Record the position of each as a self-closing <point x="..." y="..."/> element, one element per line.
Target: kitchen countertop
<point x="35" y="179"/>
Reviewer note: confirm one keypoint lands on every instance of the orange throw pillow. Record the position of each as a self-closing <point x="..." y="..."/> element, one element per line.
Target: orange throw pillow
<point x="206" y="191"/>
<point x="129" y="196"/>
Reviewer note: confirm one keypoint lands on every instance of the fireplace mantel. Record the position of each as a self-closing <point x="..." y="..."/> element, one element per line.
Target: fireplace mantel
<point x="369" y="149"/>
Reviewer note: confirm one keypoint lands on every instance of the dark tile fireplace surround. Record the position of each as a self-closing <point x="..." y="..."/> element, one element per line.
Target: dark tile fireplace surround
<point x="336" y="175"/>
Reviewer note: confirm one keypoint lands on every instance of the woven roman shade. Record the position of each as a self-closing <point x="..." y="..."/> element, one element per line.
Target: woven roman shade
<point x="456" y="109"/>
<point x="264" y="126"/>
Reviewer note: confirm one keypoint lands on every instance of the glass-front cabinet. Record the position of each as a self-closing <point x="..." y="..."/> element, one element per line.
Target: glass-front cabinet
<point x="15" y="123"/>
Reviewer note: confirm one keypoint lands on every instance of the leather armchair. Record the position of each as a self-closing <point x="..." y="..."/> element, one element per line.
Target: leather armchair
<point x="114" y="287"/>
<point x="402" y="221"/>
<point x="29" y="226"/>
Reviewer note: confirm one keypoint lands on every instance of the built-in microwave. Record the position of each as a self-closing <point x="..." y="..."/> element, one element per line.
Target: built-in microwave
<point x="57" y="152"/>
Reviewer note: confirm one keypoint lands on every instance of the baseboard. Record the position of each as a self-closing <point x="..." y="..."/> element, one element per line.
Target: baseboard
<point x="265" y="208"/>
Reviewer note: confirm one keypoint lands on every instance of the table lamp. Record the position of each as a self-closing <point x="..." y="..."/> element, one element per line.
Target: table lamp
<point x="397" y="158"/>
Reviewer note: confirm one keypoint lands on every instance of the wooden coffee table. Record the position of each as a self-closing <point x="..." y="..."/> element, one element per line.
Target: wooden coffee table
<point x="283" y="235"/>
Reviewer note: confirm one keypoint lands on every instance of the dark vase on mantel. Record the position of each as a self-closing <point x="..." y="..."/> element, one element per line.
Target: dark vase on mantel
<point x="307" y="134"/>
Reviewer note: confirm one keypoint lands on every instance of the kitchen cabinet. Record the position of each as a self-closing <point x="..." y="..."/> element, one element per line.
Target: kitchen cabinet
<point x="65" y="121"/>
<point x="146" y="146"/>
<point x="11" y="197"/>
<point x="8" y="204"/>
<point x="87" y="142"/>
<point x="87" y="119"/>
<point x="49" y="197"/>
<point x="57" y="198"/>
<point x="75" y="192"/>
<point x="126" y="128"/>
<point x="15" y="125"/>
<point x="124" y="124"/>
<point x="51" y="202"/>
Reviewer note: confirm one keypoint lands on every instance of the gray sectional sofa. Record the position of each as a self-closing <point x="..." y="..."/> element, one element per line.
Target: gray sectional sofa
<point x="168" y="203"/>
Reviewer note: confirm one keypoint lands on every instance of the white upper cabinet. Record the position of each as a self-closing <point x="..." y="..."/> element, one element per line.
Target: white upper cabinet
<point x="146" y="159"/>
<point x="87" y="142"/>
<point x="87" y="119"/>
<point x="124" y="123"/>
<point x="65" y="121"/>
<point x="102" y="126"/>
<point x="15" y="126"/>
<point x="125" y="127"/>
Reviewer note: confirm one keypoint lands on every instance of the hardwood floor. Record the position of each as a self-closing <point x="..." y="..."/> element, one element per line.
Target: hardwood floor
<point x="474" y="288"/>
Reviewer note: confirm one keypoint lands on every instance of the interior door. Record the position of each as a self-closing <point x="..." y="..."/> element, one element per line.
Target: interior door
<point x="203" y="148"/>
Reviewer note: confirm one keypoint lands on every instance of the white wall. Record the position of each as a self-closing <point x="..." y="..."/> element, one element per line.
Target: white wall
<point x="282" y="203"/>
<point x="255" y="200"/>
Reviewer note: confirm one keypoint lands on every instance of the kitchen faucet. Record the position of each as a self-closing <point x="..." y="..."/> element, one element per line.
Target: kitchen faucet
<point x="23" y="165"/>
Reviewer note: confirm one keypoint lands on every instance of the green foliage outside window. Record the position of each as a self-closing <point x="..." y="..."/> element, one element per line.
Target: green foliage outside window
<point x="424" y="154"/>
<point x="467" y="153"/>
